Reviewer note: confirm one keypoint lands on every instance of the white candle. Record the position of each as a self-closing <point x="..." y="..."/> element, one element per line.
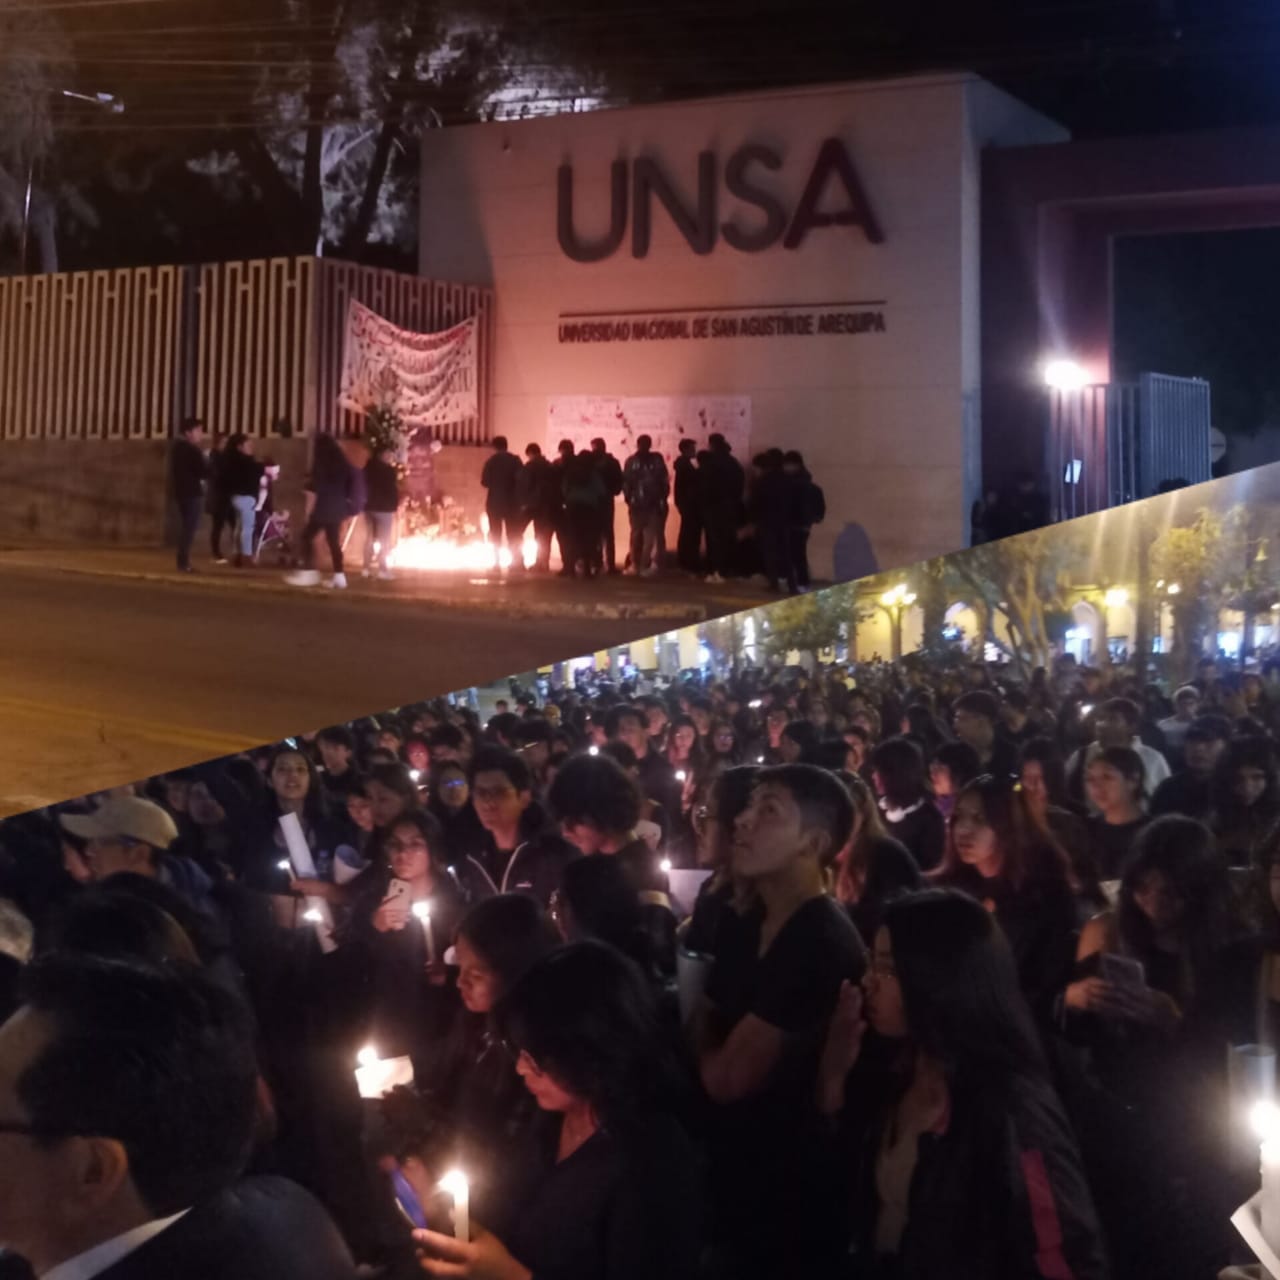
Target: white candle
<point x="423" y="911"/>
<point x="665" y="865"/>
<point x="455" y="1183"/>
<point x="1265" y="1118"/>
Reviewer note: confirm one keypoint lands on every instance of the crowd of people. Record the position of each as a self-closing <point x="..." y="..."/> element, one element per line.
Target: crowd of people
<point x="896" y="971"/>
<point x="730" y="524"/>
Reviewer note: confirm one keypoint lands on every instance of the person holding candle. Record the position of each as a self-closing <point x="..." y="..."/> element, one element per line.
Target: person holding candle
<point x="612" y="1192"/>
<point x="412" y="1003"/>
<point x="473" y="1110"/>
<point x="951" y="1144"/>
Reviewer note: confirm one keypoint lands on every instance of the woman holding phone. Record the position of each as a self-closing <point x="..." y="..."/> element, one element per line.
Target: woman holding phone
<point x="1162" y="987"/>
<point x="401" y="924"/>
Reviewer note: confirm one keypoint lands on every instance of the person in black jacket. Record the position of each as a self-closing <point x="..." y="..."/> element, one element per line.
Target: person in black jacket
<point x="808" y="507"/>
<point x="218" y="498"/>
<point x="613" y="1192"/>
<point x="689" y="508"/>
<point x="242" y="475"/>
<point x="611" y="477"/>
<point x="911" y="817"/>
<point x="541" y="502"/>
<point x="188" y="472"/>
<point x="771" y="503"/>
<point x="721" y="481"/>
<point x="142" y="1153"/>
<point x="333" y="482"/>
<point x="382" y="499"/>
<point x="500" y="477"/>
<point x="958" y="1152"/>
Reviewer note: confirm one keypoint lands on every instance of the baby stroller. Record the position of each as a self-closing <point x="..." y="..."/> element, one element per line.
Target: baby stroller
<point x="272" y="526"/>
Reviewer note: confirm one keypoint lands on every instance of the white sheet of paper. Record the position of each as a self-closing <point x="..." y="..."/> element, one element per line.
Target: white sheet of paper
<point x="1247" y="1220"/>
<point x="304" y="866"/>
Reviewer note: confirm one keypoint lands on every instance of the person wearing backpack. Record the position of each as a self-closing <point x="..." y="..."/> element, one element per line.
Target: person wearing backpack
<point x="645" y="486"/>
<point x="808" y="507"/>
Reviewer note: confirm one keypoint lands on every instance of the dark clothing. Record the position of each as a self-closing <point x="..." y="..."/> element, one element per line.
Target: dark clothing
<point x="771" y="505"/>
<point x="922" y="831"/>
<point x="241" y="474"/>
<point x="382" y="486"/>
<point x="997" y="1193"/>
<point x="689" y="539"/>
<point x="713" y="914"/>
<point x="1004" y="762"/>
<point x="768" y="1184"/>
<point x="260" y="1229"/>
<point x="500" y="477"/>
<point x="189" y="512"/>
<point x="721" y="482"/>
<point x="1039" y="920"/>
<point x="623" y="1206"/>
<point x="798" y="555"/>
<point x="1183" y="793"/>
<point x="686" y="485"/>
<point x="580" y="533"/>
<point x="332" y="536"/>
<point x="541" y="502"/>
<point x="890" y="870"/>
<point x="407" y="1014"/>
<point x="644" y="482"/>
<point x="533" y="822"/>
<point x="188" y="471"/>
<point x="335" y="494"/>
<point x="1109" y="845"/>
<point x="611" y="477"/>
<point x="537" y="866"/>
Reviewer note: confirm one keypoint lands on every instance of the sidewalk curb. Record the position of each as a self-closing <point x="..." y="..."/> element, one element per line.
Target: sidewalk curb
<point x="515" y="608"/>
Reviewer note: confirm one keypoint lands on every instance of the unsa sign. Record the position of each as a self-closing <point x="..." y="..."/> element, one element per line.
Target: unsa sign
<point x="633" y="188"/>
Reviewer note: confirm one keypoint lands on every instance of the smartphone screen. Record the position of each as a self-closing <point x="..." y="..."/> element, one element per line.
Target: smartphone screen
<point x="1123" y="971"/>
<point x="407" y="1200"/>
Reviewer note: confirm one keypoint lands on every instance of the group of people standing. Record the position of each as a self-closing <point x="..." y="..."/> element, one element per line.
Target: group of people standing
<point x="731" y="524"/>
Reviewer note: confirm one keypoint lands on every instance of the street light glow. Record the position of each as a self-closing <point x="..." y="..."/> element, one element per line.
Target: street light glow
<point x="1116" y="598"/>
<point x="1064" y="375"/>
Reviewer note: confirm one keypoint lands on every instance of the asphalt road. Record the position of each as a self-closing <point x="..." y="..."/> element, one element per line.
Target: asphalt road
<point x="104" y="681"/>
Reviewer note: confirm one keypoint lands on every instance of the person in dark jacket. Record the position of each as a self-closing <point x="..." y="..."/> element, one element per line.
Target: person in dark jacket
<point x="910" y="816"/>
<point x="614" y="1189"/>
<point x="218" y="498"/>
<point x="689" y="508"/>
<point x="382" y="500"/>
<point x="142" y="1179"/>
<point x="242" y="475"/>
<point x="996" y="854"/>
<point x="611" y="477"/>
<point x="333" y="482"/>
<point x="188" y="472"/>
<point x="583" y="490"/>
<point x="771" y="502"/>
<point x="1189" y="791"/>
<point x="541" y="502"/>
<point x="808" y="507"/>
<point x="646" y="486"/>
<point x="721" y="482"/>
<point x="959" y="1156"/>
<point x="500" y="478"/>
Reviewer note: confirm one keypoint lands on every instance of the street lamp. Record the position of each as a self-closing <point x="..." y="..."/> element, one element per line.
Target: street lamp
<point x="895" y="602"/>
<point x="1116" y="598"/>
<point x="1061" y="374"/>
<point x="107" y="100"/>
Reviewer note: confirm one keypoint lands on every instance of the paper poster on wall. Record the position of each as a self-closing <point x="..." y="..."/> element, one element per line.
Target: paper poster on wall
<point x="668" y="419"/>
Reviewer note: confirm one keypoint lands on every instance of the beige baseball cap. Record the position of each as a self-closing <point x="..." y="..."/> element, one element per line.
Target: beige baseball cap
<point x="124" y="818"/>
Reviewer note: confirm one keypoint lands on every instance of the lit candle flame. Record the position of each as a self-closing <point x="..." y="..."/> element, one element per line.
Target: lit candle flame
<point x="367" y="1056"/>
<point x="422" y="910"/>
<point x="1264" y="1117"/>
<point x="284" y="864"/>
<point x="313" y="916"/>
<point x="665" y="864"/>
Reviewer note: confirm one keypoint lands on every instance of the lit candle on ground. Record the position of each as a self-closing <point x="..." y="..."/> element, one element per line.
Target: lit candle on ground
<point x="455" y="1183"/>
<point x="423" y="911"/>
<point x="1265" y="1118"/>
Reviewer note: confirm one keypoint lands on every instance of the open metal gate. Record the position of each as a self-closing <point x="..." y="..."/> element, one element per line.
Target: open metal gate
<point x="1116" y="442"/>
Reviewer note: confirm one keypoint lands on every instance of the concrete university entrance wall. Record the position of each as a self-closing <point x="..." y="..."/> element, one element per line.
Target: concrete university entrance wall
<point x="800" y="267"/>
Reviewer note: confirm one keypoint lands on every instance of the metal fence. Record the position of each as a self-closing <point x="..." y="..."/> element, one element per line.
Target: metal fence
<point x="1117" y="442"/>
<point x="249" y="346"/>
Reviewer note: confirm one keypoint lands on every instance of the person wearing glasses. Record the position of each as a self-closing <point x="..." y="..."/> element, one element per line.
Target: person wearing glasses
<point x="954" y="1149"/>
<point x="613" y="1190"/>
<point x="449" y="802"/>
<point x="412" y="1002"/>
<point x="132" y="1170"/>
